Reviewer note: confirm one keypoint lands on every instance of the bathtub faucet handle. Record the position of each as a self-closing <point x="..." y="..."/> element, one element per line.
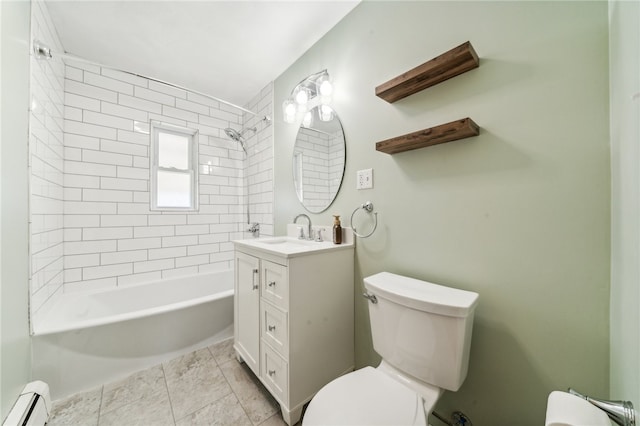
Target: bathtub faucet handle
<point x="254" y="229"/>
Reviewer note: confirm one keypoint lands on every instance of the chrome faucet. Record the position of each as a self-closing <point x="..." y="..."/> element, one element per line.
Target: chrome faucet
<point x="254" y="229"/>
<point x="295" y="219"/>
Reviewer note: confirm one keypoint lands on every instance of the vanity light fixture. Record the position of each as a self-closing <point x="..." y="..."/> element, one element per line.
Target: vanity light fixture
<point x="314" y="90"/>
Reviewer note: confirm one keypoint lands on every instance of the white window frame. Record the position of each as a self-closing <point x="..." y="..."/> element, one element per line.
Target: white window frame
<point x="192" y="134"/>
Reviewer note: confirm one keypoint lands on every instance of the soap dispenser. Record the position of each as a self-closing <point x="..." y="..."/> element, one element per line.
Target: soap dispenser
<point x="337" y="230"/>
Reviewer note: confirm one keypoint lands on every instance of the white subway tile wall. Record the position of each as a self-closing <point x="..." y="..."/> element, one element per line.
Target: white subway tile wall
<point x="46" y="158"/>
<point x="91" y="226"/>
<point x="117" y="238"/>
<point x="259" y="162"/>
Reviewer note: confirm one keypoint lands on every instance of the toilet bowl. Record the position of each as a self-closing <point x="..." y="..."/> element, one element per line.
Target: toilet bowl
<point x="367" y="397"/>
<point x="423" y="333"/>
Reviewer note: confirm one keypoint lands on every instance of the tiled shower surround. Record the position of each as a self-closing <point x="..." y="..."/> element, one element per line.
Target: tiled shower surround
<point x="46" y="164"/>
<point x="97" y="194"/>
<point x="111" y="236"/>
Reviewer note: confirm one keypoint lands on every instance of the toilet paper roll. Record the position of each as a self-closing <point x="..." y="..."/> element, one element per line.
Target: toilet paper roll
<point x="564" y="409"/>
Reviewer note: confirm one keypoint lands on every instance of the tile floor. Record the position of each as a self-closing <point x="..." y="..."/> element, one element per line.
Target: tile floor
<point x="206" y="387"/>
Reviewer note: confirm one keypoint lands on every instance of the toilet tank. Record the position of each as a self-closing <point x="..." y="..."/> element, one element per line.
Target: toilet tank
<point x="422" y="329"/>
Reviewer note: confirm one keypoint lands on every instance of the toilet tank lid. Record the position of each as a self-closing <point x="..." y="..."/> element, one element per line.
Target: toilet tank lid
<point x="422" y="295"/>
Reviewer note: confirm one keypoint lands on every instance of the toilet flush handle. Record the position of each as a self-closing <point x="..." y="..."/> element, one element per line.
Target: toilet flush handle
<point x="372" y="297"/>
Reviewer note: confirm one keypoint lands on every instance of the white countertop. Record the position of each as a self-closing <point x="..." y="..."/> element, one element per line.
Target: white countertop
<point x="291" y="246"/>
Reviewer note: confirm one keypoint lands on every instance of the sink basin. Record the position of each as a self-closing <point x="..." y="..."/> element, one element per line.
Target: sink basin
<point x="291" y="246"/>
<point x="285" y="240"/>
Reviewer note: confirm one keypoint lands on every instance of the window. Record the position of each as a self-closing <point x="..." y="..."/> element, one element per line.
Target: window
<point x="174" y="171"/>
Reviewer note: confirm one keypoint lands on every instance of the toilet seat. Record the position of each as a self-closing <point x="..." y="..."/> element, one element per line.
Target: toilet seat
<point x="365" y="397"/>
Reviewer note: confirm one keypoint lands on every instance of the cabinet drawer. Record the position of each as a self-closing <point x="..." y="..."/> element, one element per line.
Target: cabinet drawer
<point x="275" y="328"/>
<point x="275" y="374"/>
<point x="275" y="284"/>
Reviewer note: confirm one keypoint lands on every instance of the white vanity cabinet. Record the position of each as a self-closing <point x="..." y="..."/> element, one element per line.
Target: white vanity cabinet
<point x="294" y="318"/>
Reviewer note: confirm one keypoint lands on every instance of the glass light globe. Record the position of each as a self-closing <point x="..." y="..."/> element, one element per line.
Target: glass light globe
<point x="302" y="97"/>
<point x="289" y="110"/>
<point x="326" y="88"/>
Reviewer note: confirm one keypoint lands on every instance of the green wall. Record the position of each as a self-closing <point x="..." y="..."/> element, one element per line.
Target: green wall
<point x="519" y="214"/>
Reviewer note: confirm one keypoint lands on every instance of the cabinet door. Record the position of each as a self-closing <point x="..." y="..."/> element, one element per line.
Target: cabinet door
<point x="247" y="310"/>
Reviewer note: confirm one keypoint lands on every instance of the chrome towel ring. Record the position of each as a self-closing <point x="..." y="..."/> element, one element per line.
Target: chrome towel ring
<point x="368" y="207"/>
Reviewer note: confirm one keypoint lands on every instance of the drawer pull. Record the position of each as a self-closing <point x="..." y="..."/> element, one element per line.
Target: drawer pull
<point x="272" y="283"/>
<point x="272" y="373"/>
<point x="271" y="327"/>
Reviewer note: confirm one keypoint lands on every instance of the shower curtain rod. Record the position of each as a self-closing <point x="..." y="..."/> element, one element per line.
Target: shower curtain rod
<point x="43" y="51"/>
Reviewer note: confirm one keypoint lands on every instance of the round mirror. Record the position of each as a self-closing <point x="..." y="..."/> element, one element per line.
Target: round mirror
<point x="318" y="159"/>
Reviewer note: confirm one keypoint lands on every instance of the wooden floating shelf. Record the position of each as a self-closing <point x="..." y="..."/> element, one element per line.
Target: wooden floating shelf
<point x="455" y="130"/>
<point x="450" y="64"/>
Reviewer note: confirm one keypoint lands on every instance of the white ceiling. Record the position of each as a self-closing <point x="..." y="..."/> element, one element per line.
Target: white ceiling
<point x="227" y="49"/>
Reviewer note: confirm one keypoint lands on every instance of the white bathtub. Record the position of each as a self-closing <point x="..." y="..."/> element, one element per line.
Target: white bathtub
<point x="86" y="339"/>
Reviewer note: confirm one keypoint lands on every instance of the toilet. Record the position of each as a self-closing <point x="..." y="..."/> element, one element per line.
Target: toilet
<point x="422" y="331"/>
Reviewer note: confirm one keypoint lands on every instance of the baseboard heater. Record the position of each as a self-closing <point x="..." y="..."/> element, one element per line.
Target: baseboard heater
<point x="32" y="407"/>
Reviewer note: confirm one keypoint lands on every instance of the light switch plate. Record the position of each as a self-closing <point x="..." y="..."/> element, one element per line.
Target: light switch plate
<point x="364" y="179"/>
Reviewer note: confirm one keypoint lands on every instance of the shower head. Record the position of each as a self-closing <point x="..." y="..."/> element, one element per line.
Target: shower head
<point x="237" y="136"/>
<point x="233" y="134"/>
